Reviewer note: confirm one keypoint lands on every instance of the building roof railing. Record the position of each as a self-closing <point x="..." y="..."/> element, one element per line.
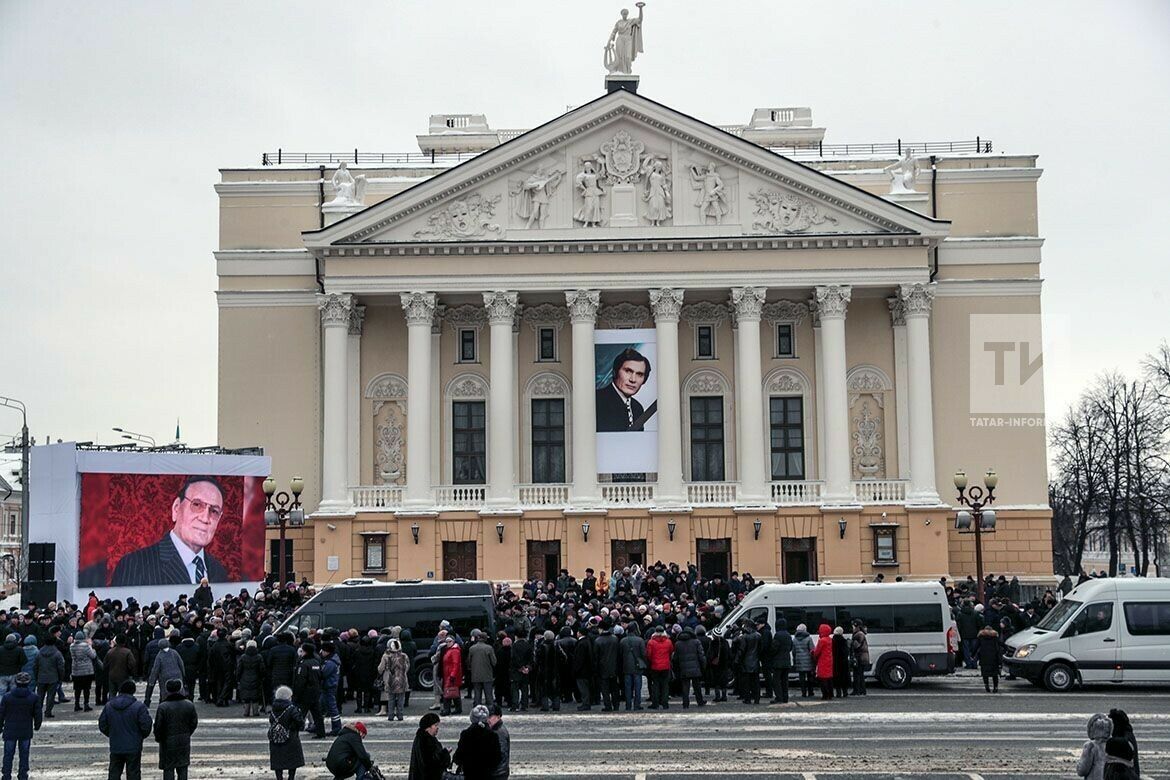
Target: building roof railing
<point x="977" y="145"/>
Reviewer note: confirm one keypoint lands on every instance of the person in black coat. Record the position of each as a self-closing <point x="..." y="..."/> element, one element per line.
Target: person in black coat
<point x="520" y="662"/>
<point x="20" y="716"/>
<point x="842" y="674"/>
<point x="607" y="649"/>
<point x="583" y="665"/>
<point x="428" y="757"/>
<point x="989" y="651"/>
<point x="174" y="723"/>
<point x="221" y="664"/>
<point x="1122" y="729"/>
<point x="690" y="662"/>
<point x="746" y="652"/>
<point x="307" y="688"/>
<point x="347" y="756"/>
<point x="250" y="676"/>
<point x="281" y="661"/>
<point x="287" y="755"/>
<point x="478" y="752"/>
<point x="363" y="671"/>
<point x="781" y="661"/>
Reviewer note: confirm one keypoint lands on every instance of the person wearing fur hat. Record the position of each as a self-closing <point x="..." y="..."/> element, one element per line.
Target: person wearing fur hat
<point x="1122" y="729"/>
<point x="393" y="668"/>
<point x="1119" y="760"/>
<point x="176" y="721"/>
<point x="20" y="716"/>
<point x="348" y="757"/>
<point x="251" y="672"/>
<point x="428" y="757"/>
<point x="478" y="752"/>
<point x="82" y="654"/>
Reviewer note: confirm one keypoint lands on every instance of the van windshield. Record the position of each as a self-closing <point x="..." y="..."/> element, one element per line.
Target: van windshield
<point x="1059" y="615"/>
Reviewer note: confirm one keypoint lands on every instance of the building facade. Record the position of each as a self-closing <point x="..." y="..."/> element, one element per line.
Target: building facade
<point x="416" y="338"/>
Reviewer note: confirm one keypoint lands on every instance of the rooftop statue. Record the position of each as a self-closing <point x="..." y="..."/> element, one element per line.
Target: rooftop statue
<point x="625" y="42"/>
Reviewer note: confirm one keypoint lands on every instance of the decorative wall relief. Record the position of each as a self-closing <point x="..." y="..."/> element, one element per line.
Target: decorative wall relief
<point x="469" y="217"/>
<point x="621" y="159"/>
<point x="588" y="187"/>
<point x="868" y="461"/>
<point x="656" y="190"/>
<point x="630" y="175"/>
<point x="532" y="195"/>
<point x="782" y="212"/>
<point x="623" y="315"/>
<point x="389" y="445"/>
<point x="712" y="199"/>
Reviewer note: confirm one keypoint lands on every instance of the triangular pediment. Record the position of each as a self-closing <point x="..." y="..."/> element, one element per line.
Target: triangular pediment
<point x="625" y="167"/>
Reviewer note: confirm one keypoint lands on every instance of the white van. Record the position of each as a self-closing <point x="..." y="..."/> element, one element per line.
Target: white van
<point x="1105" y="630"/>
<point x="909" y="623"/>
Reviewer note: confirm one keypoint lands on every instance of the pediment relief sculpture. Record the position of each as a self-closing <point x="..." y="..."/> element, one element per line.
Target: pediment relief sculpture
<point x="712" y="199"/>
<point x="784" y="212"/>
<point x="623" y="315"/>
<point x="532" y="194"/>
<point x="467" y="217"/>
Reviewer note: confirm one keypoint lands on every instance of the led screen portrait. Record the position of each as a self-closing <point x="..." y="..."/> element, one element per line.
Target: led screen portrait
<point x="170" y="529"/>
<point x="626" y="395"/>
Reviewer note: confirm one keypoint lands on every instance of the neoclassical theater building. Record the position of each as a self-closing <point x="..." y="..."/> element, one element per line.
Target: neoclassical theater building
<point x="414" y="334"/>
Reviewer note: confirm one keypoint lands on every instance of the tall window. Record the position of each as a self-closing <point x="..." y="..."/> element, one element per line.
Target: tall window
<point x="374" y="553"/>
<point x="785" y="341"/>
<point x="707" y="438"/>
<point x="467" y="351"/>
<point x="786" y="419"/>
<point x="704" y="342"/>
<point x="468" y="442"/>
<point x="548" y="440"/>
<point x="546" y="344"/>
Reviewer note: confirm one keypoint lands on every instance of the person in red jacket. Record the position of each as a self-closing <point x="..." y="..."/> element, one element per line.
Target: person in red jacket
<point x="823" y="658"/>
<point x="452" y="677"/>
<point x="658" y="654"/>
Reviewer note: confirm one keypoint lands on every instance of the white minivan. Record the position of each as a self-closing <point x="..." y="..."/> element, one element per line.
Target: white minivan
<point x="909" y="624"/>
<point x="1105" y="630"/>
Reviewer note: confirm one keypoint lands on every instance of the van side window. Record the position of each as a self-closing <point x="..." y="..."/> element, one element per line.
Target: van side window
<point x="878" y="618"/>
<point x="1147" y="618"/>
<point x="917" y="618"/>
<point x="757" y="615"/>
<point x="1095" y="617"/>
<point x="309" y="620"/>
<point x="815" y="616"/>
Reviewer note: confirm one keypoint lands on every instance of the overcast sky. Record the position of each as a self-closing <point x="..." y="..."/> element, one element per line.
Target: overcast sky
<point x="115" y="116"/>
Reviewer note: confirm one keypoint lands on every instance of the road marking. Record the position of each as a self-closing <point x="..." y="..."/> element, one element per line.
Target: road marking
<point x="640" y="776"/>
<point x="974" y="776"/>
<point x="808" y="776"/>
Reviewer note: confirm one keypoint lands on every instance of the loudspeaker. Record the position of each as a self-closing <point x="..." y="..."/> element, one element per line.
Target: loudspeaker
<point x="42" y="561"/>
<point x="40" y="592"/>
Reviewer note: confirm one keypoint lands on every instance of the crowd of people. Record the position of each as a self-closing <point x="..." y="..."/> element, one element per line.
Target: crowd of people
<point x="583" y="643"/>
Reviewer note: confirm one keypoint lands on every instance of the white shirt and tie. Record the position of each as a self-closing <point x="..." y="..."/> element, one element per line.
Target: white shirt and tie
<point x="193" y="561"/>
<point x="629" y="408"/>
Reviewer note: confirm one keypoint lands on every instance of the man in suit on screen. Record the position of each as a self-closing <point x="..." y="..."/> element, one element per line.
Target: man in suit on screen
<point x="617" y="409"/>
<point x="181" y="557"/>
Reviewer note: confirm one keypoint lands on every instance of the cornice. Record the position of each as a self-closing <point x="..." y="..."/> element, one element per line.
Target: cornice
<point x="979" y="288"/>
<point x="264" y="262"/>
<point x="990" y="251"/>
<point x="233" y="299"/>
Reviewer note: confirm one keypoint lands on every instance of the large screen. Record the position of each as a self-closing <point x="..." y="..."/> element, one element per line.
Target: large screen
<point x="626" y="390"/>
<point x="139" y="530"/>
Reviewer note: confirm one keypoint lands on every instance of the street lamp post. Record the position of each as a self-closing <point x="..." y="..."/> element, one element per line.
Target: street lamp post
<point x="282" y="510"/>
<point x="979" y="520"/>
<point x="141" y="438"/>
<point x="12" y="403"/>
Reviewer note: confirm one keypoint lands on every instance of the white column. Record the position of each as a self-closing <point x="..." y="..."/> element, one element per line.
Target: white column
<point x="916" y="301"/>
<point x="583" y="314"/>
<point x="753" y="476"/>
<point x="738" y="393"/>
<point x="667" y="304"/>
<point x="832" y="302"/>
<point x="353" y="396"/>
<point x="335" y="313"/>
<point x="901" y="391"/>
<point x="419" y="310"/>
<point x="437" y="395"/>
<point x="501" y="473"/>
<point x="819" y="398"/>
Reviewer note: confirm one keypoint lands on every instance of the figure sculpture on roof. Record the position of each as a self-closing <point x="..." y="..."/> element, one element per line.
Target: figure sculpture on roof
<point x="348" y="191"/>
<point x="625" y="42"/>
<point x="903" y="174"/>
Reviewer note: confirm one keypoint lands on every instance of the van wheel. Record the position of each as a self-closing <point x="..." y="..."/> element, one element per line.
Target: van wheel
<point x="1059" y="678"/>
<point x="895" y="675"/>
<point x="426" y="677"/>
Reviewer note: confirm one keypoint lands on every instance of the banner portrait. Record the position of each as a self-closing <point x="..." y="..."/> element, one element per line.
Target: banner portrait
<point x="626" y="401"/>
<point x="140" y="530"/>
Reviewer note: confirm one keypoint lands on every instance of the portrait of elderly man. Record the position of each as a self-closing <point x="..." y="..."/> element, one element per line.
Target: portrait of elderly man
<point x="617" y="409"/>
<point x="181" y="556"/>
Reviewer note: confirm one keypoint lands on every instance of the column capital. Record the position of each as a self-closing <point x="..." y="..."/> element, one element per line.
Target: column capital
<point x="335" y="308"/>
<point x="833" y="300"/>
<point x="583" y="305"/>
<point x="501" y="306"/>
<point x="748" y="303"/>
<point x="917" y="299"/>
<point x="418" y="307"/>
<point x="814" y="312"/>
<point x="357" y="317"/>
<point x="666" y="302"/>
<point x="897" y="311"/>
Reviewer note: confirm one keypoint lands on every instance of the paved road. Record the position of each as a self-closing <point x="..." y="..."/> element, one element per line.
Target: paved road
<point x="941" y="729"/>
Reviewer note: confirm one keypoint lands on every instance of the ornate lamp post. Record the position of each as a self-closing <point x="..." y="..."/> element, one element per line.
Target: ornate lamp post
<point x="282" y="510"/>
<point x="978" y="521"/>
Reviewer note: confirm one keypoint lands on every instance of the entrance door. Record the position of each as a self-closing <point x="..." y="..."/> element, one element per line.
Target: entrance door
<point x="459" y="560"/>
<point x="544" y="559"/>
<point x="799" y="557"/>
<point x="714" y="556"/>
<point x="627" y="552"/>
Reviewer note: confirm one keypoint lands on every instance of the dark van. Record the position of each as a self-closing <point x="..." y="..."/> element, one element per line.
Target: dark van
<point x="415" y="604"/>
